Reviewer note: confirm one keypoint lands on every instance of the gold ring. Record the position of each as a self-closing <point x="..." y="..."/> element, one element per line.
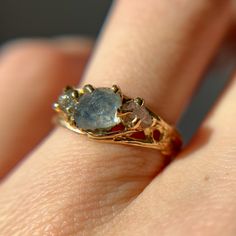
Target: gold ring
<point x="107" y="115"/>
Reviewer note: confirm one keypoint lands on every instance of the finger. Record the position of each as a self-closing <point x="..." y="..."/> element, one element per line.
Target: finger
<point x="91" y="182"/>
<point x="32" y="74"/>
<point x="197" y="193"/>
<point x="164" y="52"/>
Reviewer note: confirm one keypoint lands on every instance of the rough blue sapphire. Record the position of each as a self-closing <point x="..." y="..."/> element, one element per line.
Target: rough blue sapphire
<point x="97" y="110"/>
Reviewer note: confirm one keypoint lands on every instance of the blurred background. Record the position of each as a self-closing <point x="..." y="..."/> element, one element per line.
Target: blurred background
<point x="29" y="18"/>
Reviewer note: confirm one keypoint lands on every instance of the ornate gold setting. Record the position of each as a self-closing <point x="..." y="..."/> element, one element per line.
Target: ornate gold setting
<point x="138" y="125"/>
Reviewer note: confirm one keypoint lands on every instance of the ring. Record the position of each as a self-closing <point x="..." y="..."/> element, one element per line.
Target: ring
<point x="106" y="114"/>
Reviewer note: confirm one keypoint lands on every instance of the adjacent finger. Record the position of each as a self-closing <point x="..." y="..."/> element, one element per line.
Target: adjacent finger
<point x="157" y="56"/>
<point x="32" y="74"/>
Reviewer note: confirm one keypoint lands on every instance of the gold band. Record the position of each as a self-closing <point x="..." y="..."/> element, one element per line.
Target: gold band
<point x="107" y="115"/>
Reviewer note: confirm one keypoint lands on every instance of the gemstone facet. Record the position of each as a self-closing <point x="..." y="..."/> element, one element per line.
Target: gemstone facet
<point x="66" y="101"/>
<point x="136" y="110"/>
<point x="98" y="109"/>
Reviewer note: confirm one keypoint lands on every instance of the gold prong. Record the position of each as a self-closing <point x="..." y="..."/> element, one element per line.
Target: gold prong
<point x="56" y="106"/>
<point x="75" y="94"/>
<point x="115" y="88"/>
<point x="88" y="88"/>
<point x="80" y="91"/>
<point x="136" y="122"/>
<point x="139" y="101"/>
<point x="123" y="114"/>
<point x="72" y="121"/>
<point x="67" y="88"/>
<point x="68" y="110"/>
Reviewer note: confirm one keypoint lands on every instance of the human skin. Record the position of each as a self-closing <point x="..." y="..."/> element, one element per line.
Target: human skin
<point x="69" y="185"/>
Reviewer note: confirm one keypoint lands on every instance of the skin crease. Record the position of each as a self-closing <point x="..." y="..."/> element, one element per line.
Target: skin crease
<point x="69" y="185"/>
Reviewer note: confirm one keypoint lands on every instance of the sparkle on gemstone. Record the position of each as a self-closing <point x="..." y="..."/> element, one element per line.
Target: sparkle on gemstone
<point x="97" y="110"/>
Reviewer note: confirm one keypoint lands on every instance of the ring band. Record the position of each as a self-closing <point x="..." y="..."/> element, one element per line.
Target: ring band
<point x="106" y="114"/>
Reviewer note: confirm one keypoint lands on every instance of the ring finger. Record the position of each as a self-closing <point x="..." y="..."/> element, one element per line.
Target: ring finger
<point x="150" y="50"/>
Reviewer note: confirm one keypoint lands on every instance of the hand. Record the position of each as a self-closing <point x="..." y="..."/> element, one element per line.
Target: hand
<point x="69" y="185"/>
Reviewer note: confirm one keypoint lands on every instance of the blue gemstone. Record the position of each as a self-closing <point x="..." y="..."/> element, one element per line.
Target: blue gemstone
<point x="97" y="110"/>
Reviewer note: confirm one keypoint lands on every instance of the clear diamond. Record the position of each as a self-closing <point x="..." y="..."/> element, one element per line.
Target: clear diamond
<point x="140" y="111"/>
<point x="65" y="101"/>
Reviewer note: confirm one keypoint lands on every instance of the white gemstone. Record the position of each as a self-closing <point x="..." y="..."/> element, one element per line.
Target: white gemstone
<point x="65" y="101"/>
<point x="140" y="111"/>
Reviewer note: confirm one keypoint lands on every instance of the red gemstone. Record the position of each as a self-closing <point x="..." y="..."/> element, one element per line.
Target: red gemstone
<point x="138" y="135"/>
<point x="118" y="127"/>
<point x="156" y="135"/>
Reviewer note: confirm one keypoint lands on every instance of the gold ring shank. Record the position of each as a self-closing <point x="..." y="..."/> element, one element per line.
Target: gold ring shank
<point x="168" y="142"/>
<point x="137" y="126"/>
